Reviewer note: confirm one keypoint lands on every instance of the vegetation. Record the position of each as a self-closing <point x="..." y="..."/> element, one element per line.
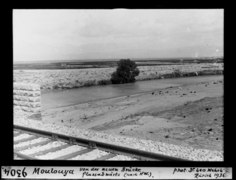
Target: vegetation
<point x="104" y="82"/>
<point x="89" y="83"/>
<point x="177" y="73"/>
<point x="71" y="78"/>
<point x="125" y="72"/>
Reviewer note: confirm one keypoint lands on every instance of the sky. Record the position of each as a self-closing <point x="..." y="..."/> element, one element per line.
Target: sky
<point x="116" y="33"/>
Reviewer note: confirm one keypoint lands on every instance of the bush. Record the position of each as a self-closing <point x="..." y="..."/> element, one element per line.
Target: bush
<point x="210" y="72"/>
<point x="89" y="83"/>
<point x="125" y="72"/>
<point x="177" y="73"/>
<point x="104" y="82"/>
<point x="189" y="74"/>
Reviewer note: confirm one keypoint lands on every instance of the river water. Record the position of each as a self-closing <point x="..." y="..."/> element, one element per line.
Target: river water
<point x="68" y="97"/>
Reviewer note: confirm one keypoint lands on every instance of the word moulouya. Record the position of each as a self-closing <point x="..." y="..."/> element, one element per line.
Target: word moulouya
<point x="52" y="171"/>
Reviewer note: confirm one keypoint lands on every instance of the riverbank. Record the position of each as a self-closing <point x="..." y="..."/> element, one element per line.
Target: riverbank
<point x="68" y="97"/>
<point x="184" y="121"/>
<point x="76" y="78"/>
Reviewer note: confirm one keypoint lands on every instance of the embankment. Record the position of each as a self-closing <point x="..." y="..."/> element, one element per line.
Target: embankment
<point x="76" y="78"/>
<point x="27" y="98"/>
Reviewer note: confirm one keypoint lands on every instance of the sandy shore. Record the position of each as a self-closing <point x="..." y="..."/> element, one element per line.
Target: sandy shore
<point x="186" y="120"/>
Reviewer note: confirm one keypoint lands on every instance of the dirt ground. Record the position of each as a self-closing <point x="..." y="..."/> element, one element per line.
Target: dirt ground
<point x="191" y="115"/>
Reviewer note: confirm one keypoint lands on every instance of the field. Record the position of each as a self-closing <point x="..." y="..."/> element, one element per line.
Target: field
<point x="75" y="78"/>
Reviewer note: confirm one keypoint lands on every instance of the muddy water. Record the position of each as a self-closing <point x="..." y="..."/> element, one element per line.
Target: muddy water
<point x="61" y="98"/>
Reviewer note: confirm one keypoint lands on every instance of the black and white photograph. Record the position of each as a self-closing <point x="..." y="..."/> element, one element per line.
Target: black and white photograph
<point x="118" y="84"/>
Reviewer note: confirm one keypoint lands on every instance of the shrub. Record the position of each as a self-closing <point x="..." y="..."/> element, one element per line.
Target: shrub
<point x="125" y="72"/>
<point x="104" y="82"/>
<point x="177" y="73"/>
<point x="89" y="83"/>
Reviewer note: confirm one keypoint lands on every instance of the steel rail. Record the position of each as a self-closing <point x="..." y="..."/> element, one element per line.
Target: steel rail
<point x="115" y="149"/>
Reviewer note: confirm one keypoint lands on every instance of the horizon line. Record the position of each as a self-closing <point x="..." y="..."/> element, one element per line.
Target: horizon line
<point x="114" y="59"/>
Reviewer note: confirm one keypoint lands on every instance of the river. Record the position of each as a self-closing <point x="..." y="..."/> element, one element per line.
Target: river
<point x="68" y="97"/>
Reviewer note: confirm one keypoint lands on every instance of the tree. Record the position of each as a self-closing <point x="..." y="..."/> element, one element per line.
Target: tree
<point x="125" y="72"/>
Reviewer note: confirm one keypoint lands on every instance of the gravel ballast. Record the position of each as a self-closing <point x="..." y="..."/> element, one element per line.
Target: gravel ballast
<point x="22" y="136"/>
<point x="122" y="158"/>
<point x="96" y="153"/>
<point x="42" y="148"/>
<point x="56" y="154"/>
<point x="184" y="152"/>
<point x="29" y="142"/>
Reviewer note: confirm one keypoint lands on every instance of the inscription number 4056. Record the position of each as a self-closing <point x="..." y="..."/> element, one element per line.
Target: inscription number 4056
<point x="15" y="172"/>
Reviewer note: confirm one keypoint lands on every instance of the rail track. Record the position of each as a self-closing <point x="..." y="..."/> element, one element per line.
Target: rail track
<point x="33" y="144"/>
